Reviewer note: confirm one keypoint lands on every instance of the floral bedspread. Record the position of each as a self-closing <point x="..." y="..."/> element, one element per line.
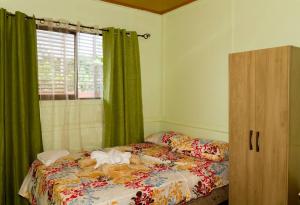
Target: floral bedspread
<point x="162" y="177"/>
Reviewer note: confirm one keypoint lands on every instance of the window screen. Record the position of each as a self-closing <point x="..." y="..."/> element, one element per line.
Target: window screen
<point x="70" y="65"/>
<point x="89" y="66"/>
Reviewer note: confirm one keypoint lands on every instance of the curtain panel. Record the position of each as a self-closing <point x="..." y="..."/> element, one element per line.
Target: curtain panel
<point x="68" y="121"/>
<point x="20" y="128"/>
<point x="123" y="110"/>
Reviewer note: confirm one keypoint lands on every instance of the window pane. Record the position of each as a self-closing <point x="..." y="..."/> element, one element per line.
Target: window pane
<point x="56" y="63"/>
<point x="90" y="77"/>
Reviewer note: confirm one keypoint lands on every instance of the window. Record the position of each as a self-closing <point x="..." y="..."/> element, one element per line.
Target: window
<point x="70" y="65"/>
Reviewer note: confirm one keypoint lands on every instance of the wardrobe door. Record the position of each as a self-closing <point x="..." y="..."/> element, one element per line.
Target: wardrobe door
<point x="241" y="126"/>
<point x="271" y="118"/>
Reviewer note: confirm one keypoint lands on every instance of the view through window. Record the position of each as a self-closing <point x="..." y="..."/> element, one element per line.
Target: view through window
<point x="70" y="65"/>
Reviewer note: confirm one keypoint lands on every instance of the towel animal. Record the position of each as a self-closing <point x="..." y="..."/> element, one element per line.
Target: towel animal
<point x="111" y="157"/>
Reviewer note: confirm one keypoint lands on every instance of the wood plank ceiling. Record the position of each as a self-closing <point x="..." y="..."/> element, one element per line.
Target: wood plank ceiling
<point x="155" y="6"/>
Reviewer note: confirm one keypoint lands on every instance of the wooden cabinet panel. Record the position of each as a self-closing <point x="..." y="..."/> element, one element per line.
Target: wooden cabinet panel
<point x="264" y="97"/>
<point x="241" y="107"/>
<point x="272" y="124"/>
<point x="294" y="115"/>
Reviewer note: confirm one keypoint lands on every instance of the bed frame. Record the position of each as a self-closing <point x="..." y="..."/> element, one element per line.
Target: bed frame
<point x="218" y="196"/>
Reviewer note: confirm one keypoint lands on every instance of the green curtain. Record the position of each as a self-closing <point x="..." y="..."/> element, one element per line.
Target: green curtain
<point x="123" y="110"/>
<point x="20" y="128"/>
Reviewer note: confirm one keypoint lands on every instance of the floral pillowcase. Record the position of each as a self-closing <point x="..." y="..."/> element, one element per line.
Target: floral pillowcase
<point x="166" y="138"/>
<point x="195" y="147"/>
<point x="202" y="148"/>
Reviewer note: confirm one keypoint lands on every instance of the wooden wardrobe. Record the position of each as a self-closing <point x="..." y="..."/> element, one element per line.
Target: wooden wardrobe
<point x="265" y="127"/>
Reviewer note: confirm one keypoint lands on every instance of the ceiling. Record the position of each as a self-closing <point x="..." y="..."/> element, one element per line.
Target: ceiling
<point x="155" y="6"/>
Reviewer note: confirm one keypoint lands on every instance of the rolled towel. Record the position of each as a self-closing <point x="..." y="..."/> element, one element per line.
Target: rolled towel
<point x="118" y="157"/>
<point x="100" y="157"/>
<point x="111" y="157"/>
<point x="49" y="157"/>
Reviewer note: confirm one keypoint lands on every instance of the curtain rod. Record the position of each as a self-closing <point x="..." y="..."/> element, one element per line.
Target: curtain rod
<point x="145" y="36"/>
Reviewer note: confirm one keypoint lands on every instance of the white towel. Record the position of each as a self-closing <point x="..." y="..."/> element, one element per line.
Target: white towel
<point x="49" y="157"/>
<point x="111" y="157"/>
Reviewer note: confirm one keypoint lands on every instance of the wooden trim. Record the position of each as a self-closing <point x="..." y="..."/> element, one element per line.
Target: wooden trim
<point x="149" y="9"/>
<point x="131" y="6"/>
<point x="176" y="7"/>
<point x="294" y="130"/>
<point x="259" y="49"/>
<point x="64" y="97"/>
<point x="57" y="97"/>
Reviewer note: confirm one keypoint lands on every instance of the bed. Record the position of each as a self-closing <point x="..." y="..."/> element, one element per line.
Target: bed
<point x="161" y="177"/>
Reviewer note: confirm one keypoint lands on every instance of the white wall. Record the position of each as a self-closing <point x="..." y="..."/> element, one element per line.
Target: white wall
<point x="95" y="12"/>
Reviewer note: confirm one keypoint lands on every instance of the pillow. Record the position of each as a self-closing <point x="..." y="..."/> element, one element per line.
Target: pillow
<point x="163" y="138"/>
<point x="203" y="148"/>
<point x="178" y="140"/>
<point x="49" y="157"/>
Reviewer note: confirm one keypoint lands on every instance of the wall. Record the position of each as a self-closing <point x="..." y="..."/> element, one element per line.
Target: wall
<point x="184" y="64"/>
<point x="95" y="12"/>
<point x="197" y="39"/>
<point x="265" y="23"/>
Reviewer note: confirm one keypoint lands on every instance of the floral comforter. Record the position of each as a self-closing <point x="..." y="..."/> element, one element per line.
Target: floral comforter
<point x="162" y="177"/>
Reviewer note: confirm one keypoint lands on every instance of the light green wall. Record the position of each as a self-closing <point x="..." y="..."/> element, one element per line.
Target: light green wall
<point x="265" y="23"/>
<point x="197" y="40"/>
<point x="185" y="63"/>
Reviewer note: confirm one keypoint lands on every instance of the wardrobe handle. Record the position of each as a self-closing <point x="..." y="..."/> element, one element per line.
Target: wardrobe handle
<point x="250" y="140"/>
<point x="257" y="141"/>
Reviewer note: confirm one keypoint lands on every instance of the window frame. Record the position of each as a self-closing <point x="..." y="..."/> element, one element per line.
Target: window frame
<point x="75" y="96"/>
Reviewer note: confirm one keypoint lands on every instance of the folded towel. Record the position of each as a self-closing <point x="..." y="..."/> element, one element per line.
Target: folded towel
<point x="111" y="157"/>
<point x="49" y="157"/>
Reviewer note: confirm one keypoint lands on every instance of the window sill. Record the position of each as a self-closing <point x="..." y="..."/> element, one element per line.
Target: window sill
<point x="72" y="102"/>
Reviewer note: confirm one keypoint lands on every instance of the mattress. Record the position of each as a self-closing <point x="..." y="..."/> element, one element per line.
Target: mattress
<point x="161" y="177"/>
